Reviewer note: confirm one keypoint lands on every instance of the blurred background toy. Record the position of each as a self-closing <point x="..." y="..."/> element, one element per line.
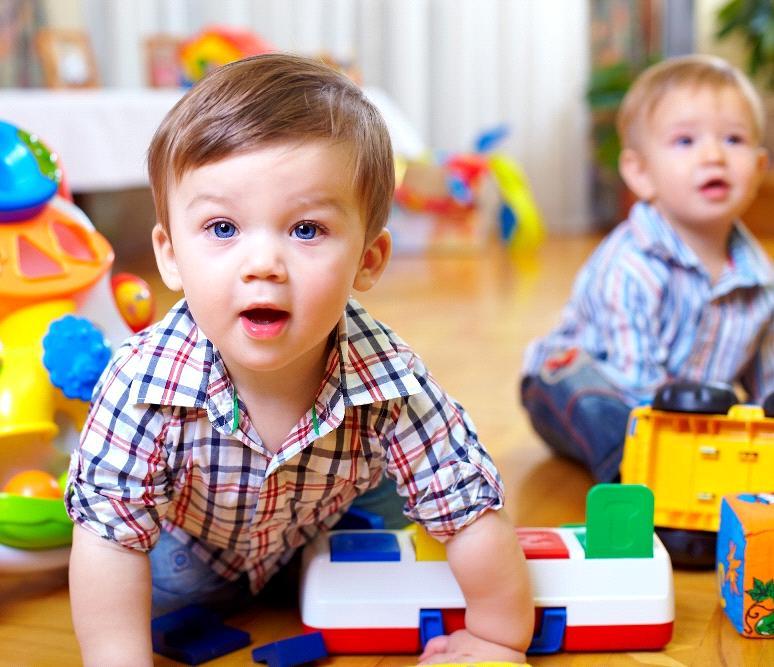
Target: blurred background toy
<point x="458" y="197"/>
<point x="58" y="321"/>
<point x="218" y="45"/>
<point x="134" y="300"/>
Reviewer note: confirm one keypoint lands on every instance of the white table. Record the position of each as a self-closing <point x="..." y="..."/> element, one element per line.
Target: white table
<point x="102" y="135"/>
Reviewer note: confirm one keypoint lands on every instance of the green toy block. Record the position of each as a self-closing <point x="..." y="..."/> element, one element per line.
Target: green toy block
<point x="619" y="521"/>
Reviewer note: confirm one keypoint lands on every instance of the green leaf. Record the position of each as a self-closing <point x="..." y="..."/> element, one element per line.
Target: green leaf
<point x="753" y="21"/>
<point x="731" y="16"/>
<point x="759" y="592"/>
<point x="755" y="60"/>
<point x="765" y="626"/>
<point x="730" y="11"/>
<point x="767" y="43"/>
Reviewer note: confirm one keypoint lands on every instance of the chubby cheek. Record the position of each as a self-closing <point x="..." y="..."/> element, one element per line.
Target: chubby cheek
<point x="670" y="170"/>
<point x="750" y="176"/>
<point x="322" y="300"/>
<point x="673" y="183"/>
<point x="207" y="296"/>
<point x="325" y="296"/>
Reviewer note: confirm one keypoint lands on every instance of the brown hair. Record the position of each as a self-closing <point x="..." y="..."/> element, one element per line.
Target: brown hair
<point x="684" y="71"/>
<point x="269" y="98"/>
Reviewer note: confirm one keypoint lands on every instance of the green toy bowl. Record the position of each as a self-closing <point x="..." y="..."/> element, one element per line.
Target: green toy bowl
<point x="34" y="523"/>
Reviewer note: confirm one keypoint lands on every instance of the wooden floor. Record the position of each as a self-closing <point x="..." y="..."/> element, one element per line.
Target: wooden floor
<point x="470" y="319"/>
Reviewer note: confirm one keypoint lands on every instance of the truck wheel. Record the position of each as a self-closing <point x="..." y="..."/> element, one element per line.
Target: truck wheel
<point x="768" y="405"/>
<point x="709" y="398"/>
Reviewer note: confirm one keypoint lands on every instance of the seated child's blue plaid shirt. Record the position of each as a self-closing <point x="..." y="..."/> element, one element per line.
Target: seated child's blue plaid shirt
<point x="158" y="452"/>
<point x="645" y="307"/>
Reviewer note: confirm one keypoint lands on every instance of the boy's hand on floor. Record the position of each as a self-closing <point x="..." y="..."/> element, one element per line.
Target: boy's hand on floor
<point x="462" y="646"/>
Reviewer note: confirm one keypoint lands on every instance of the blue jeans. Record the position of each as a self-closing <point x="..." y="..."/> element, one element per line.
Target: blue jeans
<point x="579" y="413"/>
<point x="180" y="578"/>
<point x="384" y="500"/>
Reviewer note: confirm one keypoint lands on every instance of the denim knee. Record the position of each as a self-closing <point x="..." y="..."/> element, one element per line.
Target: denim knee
<point x="601" y="420"/>
<point x="547" y="419"/>
<point x="579" y="413"/>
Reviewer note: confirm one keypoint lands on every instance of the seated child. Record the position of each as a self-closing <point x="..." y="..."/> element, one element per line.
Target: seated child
<point x="680" y="290"/>
<point x="233" y="431"/>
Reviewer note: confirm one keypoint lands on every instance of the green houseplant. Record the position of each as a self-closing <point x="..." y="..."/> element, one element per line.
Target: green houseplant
<point x="606" y="89"/>
<point x="752" y="20"/>
<point x="607" y="86"/>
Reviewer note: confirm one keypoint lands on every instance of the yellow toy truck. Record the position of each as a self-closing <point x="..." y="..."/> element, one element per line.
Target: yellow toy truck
<point x="693" y="445"/>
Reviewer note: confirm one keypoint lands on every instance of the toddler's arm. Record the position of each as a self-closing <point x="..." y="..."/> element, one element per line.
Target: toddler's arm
<point x="110" y="591"/>
<point x="489" y="566"/>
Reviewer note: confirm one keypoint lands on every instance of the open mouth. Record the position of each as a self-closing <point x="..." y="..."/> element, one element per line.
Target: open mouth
<point x="715" y="188"/>
<point x="265" y="315"/>
<point x="264" y="322"/>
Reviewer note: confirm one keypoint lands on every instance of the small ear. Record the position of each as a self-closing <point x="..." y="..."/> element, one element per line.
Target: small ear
<point x="763" y="160"/>
<point x="373" y="261"/>
<point x="165" y="258"/>
<point x="634" y="170"/>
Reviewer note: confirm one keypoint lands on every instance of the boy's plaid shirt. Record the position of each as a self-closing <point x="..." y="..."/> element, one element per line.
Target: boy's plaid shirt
<point x="158" y="449"/>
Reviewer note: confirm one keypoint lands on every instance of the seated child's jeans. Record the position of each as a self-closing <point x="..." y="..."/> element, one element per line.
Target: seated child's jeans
<point x="180" y="578"/>
<point x="578" y="412"/>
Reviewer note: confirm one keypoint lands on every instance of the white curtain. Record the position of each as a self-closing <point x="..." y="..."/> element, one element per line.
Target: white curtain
<point x="454" y="67"/>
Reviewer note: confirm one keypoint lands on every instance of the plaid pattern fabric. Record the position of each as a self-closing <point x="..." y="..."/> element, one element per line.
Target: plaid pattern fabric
<point x="158" y="451"/>
<point x="645" y="307"/>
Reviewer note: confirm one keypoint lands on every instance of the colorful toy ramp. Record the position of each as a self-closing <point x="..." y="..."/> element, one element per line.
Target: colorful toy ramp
<point x="59" y="317"/>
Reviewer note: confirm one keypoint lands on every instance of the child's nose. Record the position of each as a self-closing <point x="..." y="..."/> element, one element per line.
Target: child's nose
<point x="263" y="260"/>
<point x="712" y="150"/>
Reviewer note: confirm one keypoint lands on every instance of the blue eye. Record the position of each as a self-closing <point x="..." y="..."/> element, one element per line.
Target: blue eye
<point x="306" y="231"/>
<point x="223" y="229"/>
<point x="734" y="139"/>
<point x="684" y="141"/>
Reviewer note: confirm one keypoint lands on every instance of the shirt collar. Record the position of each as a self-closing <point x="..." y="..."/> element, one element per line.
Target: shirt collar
<point x="656" y="236"/>
<point x="181" y="367"/>
<point x="364" y="367"/>
<point x="750" y="262"/>
<point x="370" y="367"/>
<point x="750" y="266"/>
